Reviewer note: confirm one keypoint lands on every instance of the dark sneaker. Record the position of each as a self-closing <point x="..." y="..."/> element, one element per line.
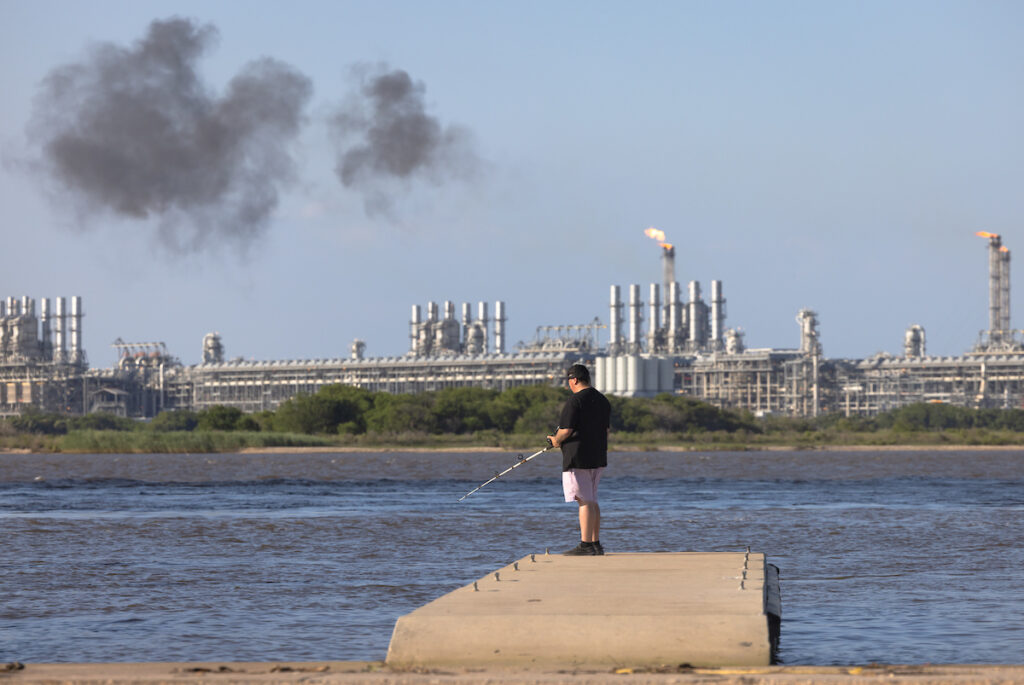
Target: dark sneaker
<point x="598" y="549"/>
<point x="580" y="550"/>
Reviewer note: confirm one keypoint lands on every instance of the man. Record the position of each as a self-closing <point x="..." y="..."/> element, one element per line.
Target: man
<point x="583" y="437"/>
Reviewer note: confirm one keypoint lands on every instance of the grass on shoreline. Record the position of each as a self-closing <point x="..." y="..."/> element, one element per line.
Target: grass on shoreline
<point x="123" y="442"/>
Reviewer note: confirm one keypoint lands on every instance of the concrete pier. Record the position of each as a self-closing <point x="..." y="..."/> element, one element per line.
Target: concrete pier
<point x="613" y="611"/>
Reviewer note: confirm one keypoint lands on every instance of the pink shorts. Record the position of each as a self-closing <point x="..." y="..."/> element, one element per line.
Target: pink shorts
<point x="581" y="483"/>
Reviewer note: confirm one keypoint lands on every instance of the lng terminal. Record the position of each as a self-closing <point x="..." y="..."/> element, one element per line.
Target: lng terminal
<point x="676" y="342"/>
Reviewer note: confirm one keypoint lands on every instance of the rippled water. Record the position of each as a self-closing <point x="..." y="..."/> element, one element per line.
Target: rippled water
<point x="898" y="557"/>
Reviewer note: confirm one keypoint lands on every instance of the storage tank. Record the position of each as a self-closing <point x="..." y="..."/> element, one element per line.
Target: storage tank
<point x="650" y="384"/>
<point x="633" y="375"/>
<point x="666" y="375"/>
<point x="601" y="375"/>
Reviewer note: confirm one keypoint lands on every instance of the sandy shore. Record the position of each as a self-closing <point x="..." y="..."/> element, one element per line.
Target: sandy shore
<point x="375" y="673"/>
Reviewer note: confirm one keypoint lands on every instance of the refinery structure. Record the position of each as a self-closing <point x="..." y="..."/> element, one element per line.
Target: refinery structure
<point x="675" y="342"/>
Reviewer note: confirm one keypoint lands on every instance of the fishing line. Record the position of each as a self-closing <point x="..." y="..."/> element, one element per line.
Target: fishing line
<point x="520" y="461"/>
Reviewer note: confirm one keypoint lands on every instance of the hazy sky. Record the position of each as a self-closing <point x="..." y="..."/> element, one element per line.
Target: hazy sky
<point x="296" y="175"/>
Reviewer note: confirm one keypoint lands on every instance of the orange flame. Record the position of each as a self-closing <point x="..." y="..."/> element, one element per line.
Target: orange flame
<point x="1004" y="248"/>
<point x="653" y="232"/>
<point x="986" y="234"/>
<point x="658" y="235"/>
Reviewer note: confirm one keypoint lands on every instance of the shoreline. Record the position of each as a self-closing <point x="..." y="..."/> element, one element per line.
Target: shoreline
<point x="351" y="672"/>
<point x="625" y="448"/>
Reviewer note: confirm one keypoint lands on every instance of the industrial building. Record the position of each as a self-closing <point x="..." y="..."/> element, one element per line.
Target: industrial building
<point x="36" y="365"/>
<point x="685" y="348"/>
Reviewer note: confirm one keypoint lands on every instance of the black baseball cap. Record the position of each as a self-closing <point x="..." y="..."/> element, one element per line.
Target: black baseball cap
<point x="579" y="372"/>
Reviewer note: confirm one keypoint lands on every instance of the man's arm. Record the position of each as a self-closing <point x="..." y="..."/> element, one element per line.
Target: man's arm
<point x="560" y="436"/>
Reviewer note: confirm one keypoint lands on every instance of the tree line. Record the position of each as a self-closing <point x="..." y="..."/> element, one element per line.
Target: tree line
<point x="347" y="410"/>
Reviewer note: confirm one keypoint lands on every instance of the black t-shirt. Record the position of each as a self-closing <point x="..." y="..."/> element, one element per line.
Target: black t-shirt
<point x="588" y="413"/>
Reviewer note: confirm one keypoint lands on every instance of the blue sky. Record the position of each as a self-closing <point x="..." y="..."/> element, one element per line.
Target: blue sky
<point x="838" y="156"/>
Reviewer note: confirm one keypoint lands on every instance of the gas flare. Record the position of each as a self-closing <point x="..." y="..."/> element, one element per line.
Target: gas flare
<point x="986" y="234"/>
<point x="658" y="235"/>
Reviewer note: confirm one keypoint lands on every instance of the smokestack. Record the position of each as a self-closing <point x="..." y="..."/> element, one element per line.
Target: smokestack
<point x="45" y="342"/>
<point x="414" y="329"/>
<point x="481" y="309"/>
<point x="696" y="321"/>
<point x="60" y="351"/>
<point x="654" y="307"/>
<point x="432" y="312"/>
<point x="467" y="319"/>
<point x="995" y="299"/>
<point x="635" y="315"/>
<point x="1004" y="293"/>
<point x="668" y="273"/>
<point x="717" y="312"/>
<point x="499" y="327"/>
<point x="77" y="354"/>
<point x="615" y="318"/>
<point x="673" y="320"/>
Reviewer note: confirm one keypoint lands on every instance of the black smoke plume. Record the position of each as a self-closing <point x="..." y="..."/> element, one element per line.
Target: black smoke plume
<point x="134" y="131"/>
<point x="387" y="140"/>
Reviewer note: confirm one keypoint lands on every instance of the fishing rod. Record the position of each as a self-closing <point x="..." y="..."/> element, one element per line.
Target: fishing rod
<point x="522" y="460"/>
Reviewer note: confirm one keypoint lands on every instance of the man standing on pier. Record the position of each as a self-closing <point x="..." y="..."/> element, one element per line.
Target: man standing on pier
<point x="583" y="437"/>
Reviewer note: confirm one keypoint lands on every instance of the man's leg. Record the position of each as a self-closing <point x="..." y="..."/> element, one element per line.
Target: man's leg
<point x="590" y="521"/>
<point x="584" y="481"/>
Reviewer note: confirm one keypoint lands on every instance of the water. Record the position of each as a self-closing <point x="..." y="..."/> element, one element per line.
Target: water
<point x="889" y="557"/>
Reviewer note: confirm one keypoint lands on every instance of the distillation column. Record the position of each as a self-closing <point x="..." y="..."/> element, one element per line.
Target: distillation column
<point x="697" y="319"/>
<point x="77" y="353"/>
<point x="668" y="275"/>
<point x="717" y="315"/>
<point x="1004" y="293"/>
<point x="615" y="317"/>
<point x="46" y="338"/>
<point x="635" y="315"/>
<point x="467" y="322"/>
<point x="499" y="327"/>
<point x="481" y="311"/>
<point x="995" y="295"/>
<point x="914" y="342"/>
<point x="674" y="324"/>
<point x="654" y="311"/>
<point x="60" y="350"/>
<point x="414" y="331"/>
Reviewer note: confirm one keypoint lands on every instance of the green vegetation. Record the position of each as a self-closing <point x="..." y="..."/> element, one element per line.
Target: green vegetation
<point x="343" y="416"/>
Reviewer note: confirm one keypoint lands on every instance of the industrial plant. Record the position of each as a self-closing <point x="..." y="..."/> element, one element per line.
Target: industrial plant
<point x="684" y="349"/>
